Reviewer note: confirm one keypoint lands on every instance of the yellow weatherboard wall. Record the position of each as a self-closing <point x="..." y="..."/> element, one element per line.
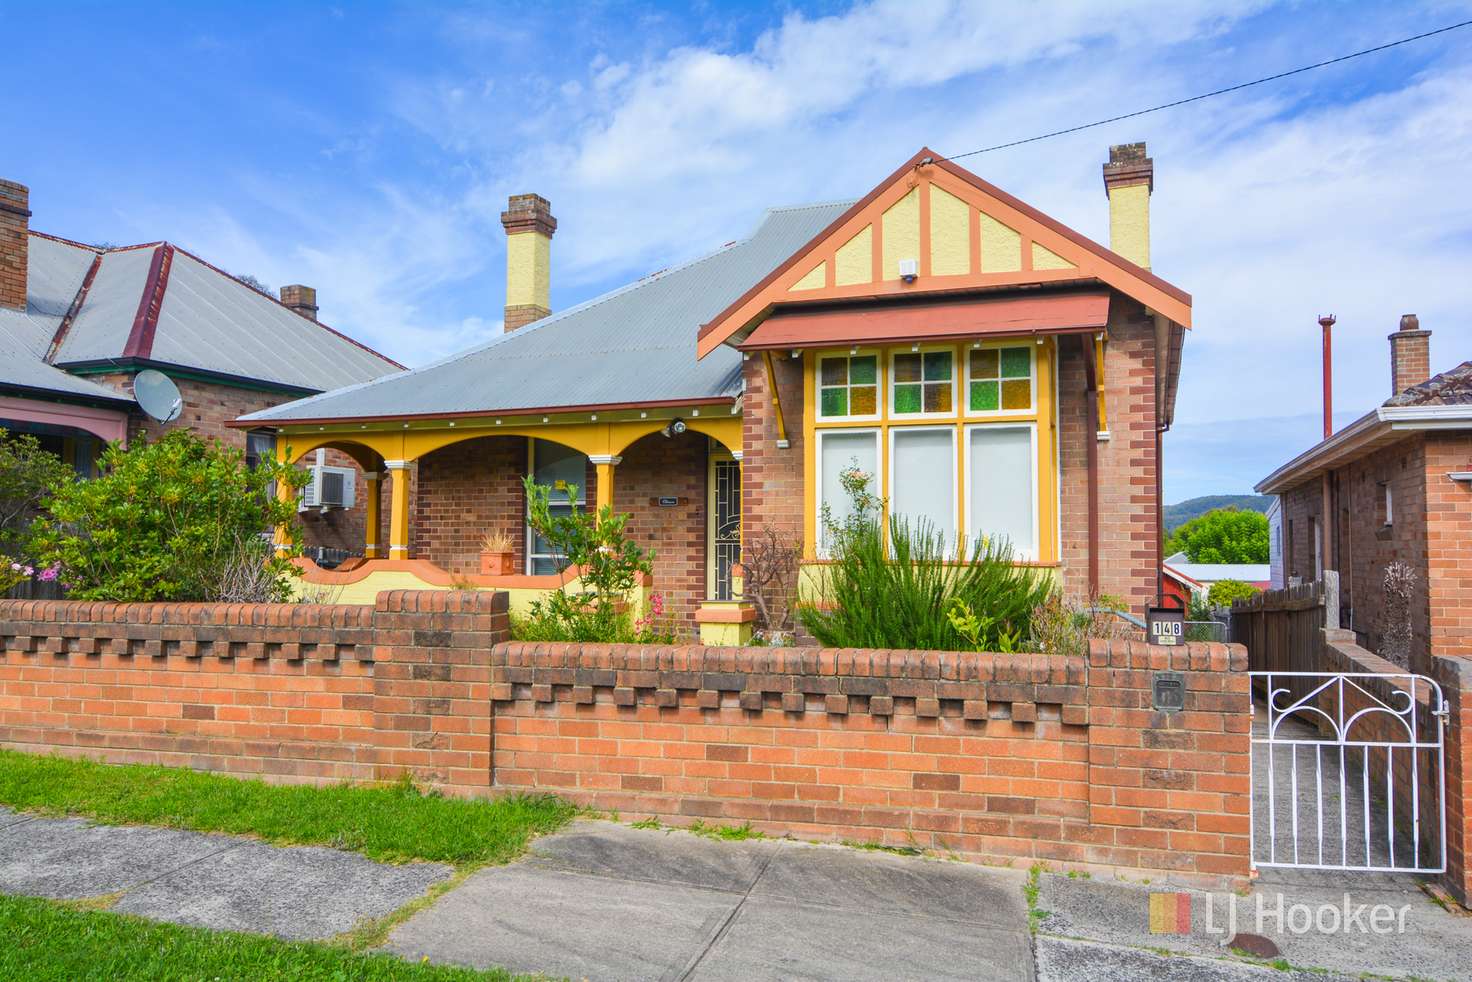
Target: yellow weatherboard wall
<point x="815" y="279"/>
<point x="950" y="234"/>
<point x="1129" y="222"/>
<point x="901" y="233"/>
<point x="854" y="260"/>
<point x="1001" y="246"/>
<point x="529" y="270"/>
<point x="1045" y="258"/>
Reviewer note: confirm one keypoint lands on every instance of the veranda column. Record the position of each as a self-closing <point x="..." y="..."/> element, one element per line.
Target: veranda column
<point x="398" y="516"/>
<point x="285" y="493"/>
<point x="603" y="465"/>
<point x="371" y="520"/>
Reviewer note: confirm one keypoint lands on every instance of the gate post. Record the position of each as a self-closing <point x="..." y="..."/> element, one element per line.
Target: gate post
<point x="1454" y="675"/>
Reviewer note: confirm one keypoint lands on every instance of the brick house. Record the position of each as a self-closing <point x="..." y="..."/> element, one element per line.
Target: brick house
<point x="79" y="322"/>
<point x="996" y="371"/>
<point x="1393" y="486"/>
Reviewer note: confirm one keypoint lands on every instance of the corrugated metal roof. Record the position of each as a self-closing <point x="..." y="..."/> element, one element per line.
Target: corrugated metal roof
<point x="101" y="327"/>
<point x="21" y="367"/>
<point x="209" y="321"/>
<point x="634" y="345"/>
<point x="212" y="321"/>
<point x="55" y="271"/>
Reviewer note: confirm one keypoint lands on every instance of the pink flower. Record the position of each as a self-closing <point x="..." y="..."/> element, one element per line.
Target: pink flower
<point x="50" y="573"/>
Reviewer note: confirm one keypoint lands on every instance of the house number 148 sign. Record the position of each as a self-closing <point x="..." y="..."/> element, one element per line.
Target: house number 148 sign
<point x="1167" y="625"/>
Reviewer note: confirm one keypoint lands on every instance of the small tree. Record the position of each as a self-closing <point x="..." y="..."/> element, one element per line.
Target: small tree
<point x="27" y="475"/>
<point x="172" y="520"/>
<point x="1223" y="535"/>
<point x="607" y="563"/>
<point x="1224" y="592"/>
<point x="769" y="578"/>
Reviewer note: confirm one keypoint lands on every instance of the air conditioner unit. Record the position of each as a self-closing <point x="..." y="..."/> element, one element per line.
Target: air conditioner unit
<point x="327" y="488"/>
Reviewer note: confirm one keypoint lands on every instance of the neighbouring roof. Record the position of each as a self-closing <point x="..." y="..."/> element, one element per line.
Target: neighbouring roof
<point x="89" y="308"/>
<point x="633" y="346"/>
<point x="1443" y="401"/>
<point x="1452" y="387"/>
<point x="1208" y="573"/>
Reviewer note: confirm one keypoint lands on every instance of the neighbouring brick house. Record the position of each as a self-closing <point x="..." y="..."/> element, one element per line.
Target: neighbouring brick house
<point x="996" y="371"/>
<point x="79" y="322"/>
<point x="1393" y="486"/>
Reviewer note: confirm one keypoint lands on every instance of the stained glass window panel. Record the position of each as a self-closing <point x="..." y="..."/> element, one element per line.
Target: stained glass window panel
<point x="1017" y="394"/>
<point x="1016" y="362"/>
<point x="835" y="402"/>
<point x="907" y="398"/>
<point x="937" y="366"/>
<point x="835" y="371"/>
<point x="907" y="368"/>
<point x="984" y="363"/>
<point x="984" y="397"/>
<point x="938" y="397"/>
<point x="863" y="400"/>
<point x="862" y="370"/>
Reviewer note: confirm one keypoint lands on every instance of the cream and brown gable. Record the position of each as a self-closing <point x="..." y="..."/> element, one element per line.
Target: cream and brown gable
<point x="957" y="233"/>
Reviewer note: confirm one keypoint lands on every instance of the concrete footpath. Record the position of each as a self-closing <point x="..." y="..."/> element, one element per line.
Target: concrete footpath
<point x="605" y="901"/>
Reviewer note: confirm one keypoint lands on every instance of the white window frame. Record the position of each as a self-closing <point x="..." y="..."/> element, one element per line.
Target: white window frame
<point x="1389" y="505"/>
<point x="922" y="350"/>
<point x="879" y="388"/>
<point x="531" y="536"/>
<point x="950" y="429"/>
<point x="819" y="436"/>
<point x="1032" y="350"/>
<point x="1030" y="553"/>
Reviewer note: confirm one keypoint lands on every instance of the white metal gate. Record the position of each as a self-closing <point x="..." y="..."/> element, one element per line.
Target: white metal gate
<point x="1328" y="751"/>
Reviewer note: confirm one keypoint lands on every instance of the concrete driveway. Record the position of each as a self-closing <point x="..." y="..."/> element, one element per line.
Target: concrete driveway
<point x="608" y="902"/>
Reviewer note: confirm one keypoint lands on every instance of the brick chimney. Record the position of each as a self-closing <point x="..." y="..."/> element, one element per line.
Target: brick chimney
<point x="1410" y="355"/>
<point x="302" y="299"/>
<point x="15" y="227"/>
<point x="529" y="226"/>
<point x="1129" y="178"/>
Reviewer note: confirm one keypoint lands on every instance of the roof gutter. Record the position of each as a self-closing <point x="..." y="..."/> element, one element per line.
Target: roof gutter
<point x="1376" y="427"/>
<point x="259" y="419"/>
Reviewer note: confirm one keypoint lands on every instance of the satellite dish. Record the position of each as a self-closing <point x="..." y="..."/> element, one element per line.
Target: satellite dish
<point x="157" y="395"/>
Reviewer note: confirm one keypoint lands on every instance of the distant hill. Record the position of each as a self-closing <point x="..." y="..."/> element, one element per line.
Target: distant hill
<point x="1182" y="512"/>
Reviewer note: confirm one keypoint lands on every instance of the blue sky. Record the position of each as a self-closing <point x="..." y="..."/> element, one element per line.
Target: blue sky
<point x="367" y="150"/>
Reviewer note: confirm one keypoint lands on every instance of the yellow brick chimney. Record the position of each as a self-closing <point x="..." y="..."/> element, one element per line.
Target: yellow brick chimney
<point x="529" y="227"/>
<point x="1129" y="177"/>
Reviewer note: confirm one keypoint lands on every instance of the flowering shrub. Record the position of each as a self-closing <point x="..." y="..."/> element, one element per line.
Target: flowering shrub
<point x="11" y="573"/>
<point x="658" y="626"/>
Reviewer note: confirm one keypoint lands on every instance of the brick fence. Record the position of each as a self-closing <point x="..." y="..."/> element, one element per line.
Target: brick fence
<point x="1010" y="758"/>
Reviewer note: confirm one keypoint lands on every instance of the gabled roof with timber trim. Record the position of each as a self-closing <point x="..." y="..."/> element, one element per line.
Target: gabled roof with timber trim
<point x="967" y="236"/>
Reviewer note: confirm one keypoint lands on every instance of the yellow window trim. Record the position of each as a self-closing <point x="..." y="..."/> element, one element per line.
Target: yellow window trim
<point x="1044" y="416"/>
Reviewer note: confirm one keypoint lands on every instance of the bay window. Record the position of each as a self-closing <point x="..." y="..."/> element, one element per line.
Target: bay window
<point x="956" y="437"/>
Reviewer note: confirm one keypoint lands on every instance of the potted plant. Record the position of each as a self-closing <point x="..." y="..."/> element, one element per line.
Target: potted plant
<point x="496" y="554"/>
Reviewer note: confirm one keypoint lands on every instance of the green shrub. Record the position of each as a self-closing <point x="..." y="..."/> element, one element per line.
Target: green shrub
<point x="1223" y="592"/>
<point x="900" y="590"/>
<point x="179" y="519"/>
<point x="1223" y="535"/>
<point x="28" y="473"/>
<point x="608" y="565"/>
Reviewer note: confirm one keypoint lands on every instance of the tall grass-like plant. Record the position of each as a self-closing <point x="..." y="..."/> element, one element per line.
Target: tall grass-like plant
<point x="899" y="586"/>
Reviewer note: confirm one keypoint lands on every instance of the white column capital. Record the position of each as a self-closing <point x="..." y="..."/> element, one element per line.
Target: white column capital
<point x="396" y="465"/>
<point x="736" y="455"/>
<point x="605" y="458"/>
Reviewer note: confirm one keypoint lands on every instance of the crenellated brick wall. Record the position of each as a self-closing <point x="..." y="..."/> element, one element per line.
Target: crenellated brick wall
<point x="290" y="692"/>
<point x="996" y="757"/>
<point x="1002" y="758"/>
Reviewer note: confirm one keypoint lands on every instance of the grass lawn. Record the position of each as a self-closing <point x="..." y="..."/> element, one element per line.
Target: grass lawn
<point x="390" y="824"/>
<point x="45" y="941"/>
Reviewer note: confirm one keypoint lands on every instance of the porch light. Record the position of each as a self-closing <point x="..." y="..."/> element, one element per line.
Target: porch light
<point x="675" y="427"/>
